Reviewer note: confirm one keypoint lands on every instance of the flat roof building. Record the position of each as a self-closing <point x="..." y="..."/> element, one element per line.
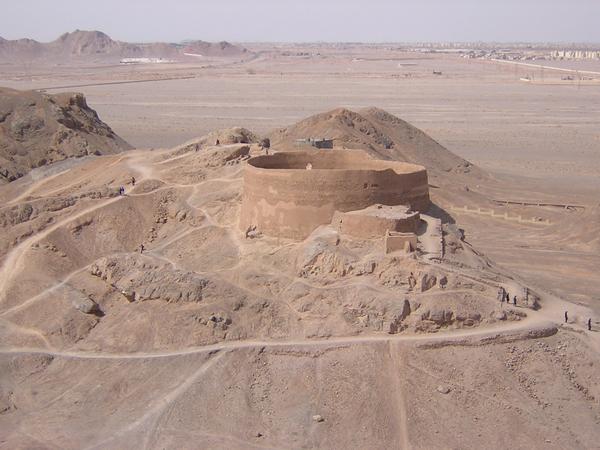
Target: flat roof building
<point x="315" y="142"/>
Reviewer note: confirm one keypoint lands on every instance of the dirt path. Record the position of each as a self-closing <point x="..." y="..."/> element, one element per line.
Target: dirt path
<point x="19" y="329"/>
<point x="42" y="294"/>
<point x="397" y="388"/>
<point x="512" y="331"/>
<point x="34" y="186"/>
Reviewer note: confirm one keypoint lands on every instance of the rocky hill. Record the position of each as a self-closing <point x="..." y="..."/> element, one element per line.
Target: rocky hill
<point x="37" y="129"/>
<point x="95" y="45"/>
<point x="381" y="134"/>
<point x="324" y="343"/>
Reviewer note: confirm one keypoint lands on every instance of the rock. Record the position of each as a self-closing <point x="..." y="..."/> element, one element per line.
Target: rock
<point x="427" y="282"/>
<point x="139" y="279"/>
<point x="254" y="234"/>
<point x="396" y="323"/>
<point x="443" y="389"/>
<point x="318" y="418"/>
<point x="500" y="315"/>
<point x="240" y="152"/>
<point x="84" y="304"/>
<point x="441" y="316"/>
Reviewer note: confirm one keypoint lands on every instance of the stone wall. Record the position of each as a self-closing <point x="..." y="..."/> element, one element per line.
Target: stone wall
<point x="283" y="198"/>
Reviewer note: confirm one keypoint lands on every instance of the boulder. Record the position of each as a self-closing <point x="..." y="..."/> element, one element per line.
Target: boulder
<point x="500" y="315"/>
<point x="439" y="316"/>
<point x="443" y="389"/>
<point x="427" y="282"/>
<point x="396" y="323"/>
<point x="83" y="303"/>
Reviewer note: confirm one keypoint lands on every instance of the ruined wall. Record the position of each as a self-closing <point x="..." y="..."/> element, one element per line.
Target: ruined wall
<point x="395" y="241"/>
<point x="282" y="198"/>
<point x="366" y="224"/>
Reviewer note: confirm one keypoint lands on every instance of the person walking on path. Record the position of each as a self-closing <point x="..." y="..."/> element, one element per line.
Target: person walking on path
<point x="590" y="324"/>
<point x="515" y="300"/>
<point x="566" y="316"/>
<point x="133" y="181"/>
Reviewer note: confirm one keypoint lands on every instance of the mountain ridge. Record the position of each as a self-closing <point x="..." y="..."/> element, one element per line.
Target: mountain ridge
<point x="94" y="44"/>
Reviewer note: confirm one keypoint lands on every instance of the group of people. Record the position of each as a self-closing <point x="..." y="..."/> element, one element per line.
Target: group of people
<point x="122" y="188"/>
<point x="504" y="296"/>
<point x="589" y="322"/>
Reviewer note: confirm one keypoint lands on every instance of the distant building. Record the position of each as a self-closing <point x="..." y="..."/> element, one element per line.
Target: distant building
<point x="144" y="61"/>
<point x="315" y="142"/>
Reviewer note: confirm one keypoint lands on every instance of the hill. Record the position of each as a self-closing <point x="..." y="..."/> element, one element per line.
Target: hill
<point x="96" y="45"/>
<point x="382" y="134"/>
<point x="325" y="343"/>
<point x="37" y="129"/>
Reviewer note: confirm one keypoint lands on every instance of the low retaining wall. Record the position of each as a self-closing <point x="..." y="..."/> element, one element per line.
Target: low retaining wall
<point x="504" y="215"/>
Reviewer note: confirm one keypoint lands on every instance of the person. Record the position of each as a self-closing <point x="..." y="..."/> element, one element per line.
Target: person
<point x="590" y="324"/>
<point x="218" y="143"/>
<point x="133" y="181"/>
<point x="120" y="190"/>
<point x="515" y="300"/>
<point x="412" y="281"/>
<point x="141" y="248"/>
<point x="507" y="297"/>
<point x="566" y="316"/>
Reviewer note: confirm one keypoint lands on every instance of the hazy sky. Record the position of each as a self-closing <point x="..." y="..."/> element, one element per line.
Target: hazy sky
<point x="307" y="20"/>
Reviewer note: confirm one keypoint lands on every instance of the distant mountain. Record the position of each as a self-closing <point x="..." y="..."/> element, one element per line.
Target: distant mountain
<point x="95" y="45"/>
<point x="37" y="129"/>
<point x="213" y="48"/>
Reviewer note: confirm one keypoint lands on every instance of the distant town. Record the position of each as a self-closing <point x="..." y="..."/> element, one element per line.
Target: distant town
<point x="513" y="52"/>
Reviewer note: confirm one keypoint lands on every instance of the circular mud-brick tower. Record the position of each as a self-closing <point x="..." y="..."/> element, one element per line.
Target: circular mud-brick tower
<point x="290" y="194"/>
